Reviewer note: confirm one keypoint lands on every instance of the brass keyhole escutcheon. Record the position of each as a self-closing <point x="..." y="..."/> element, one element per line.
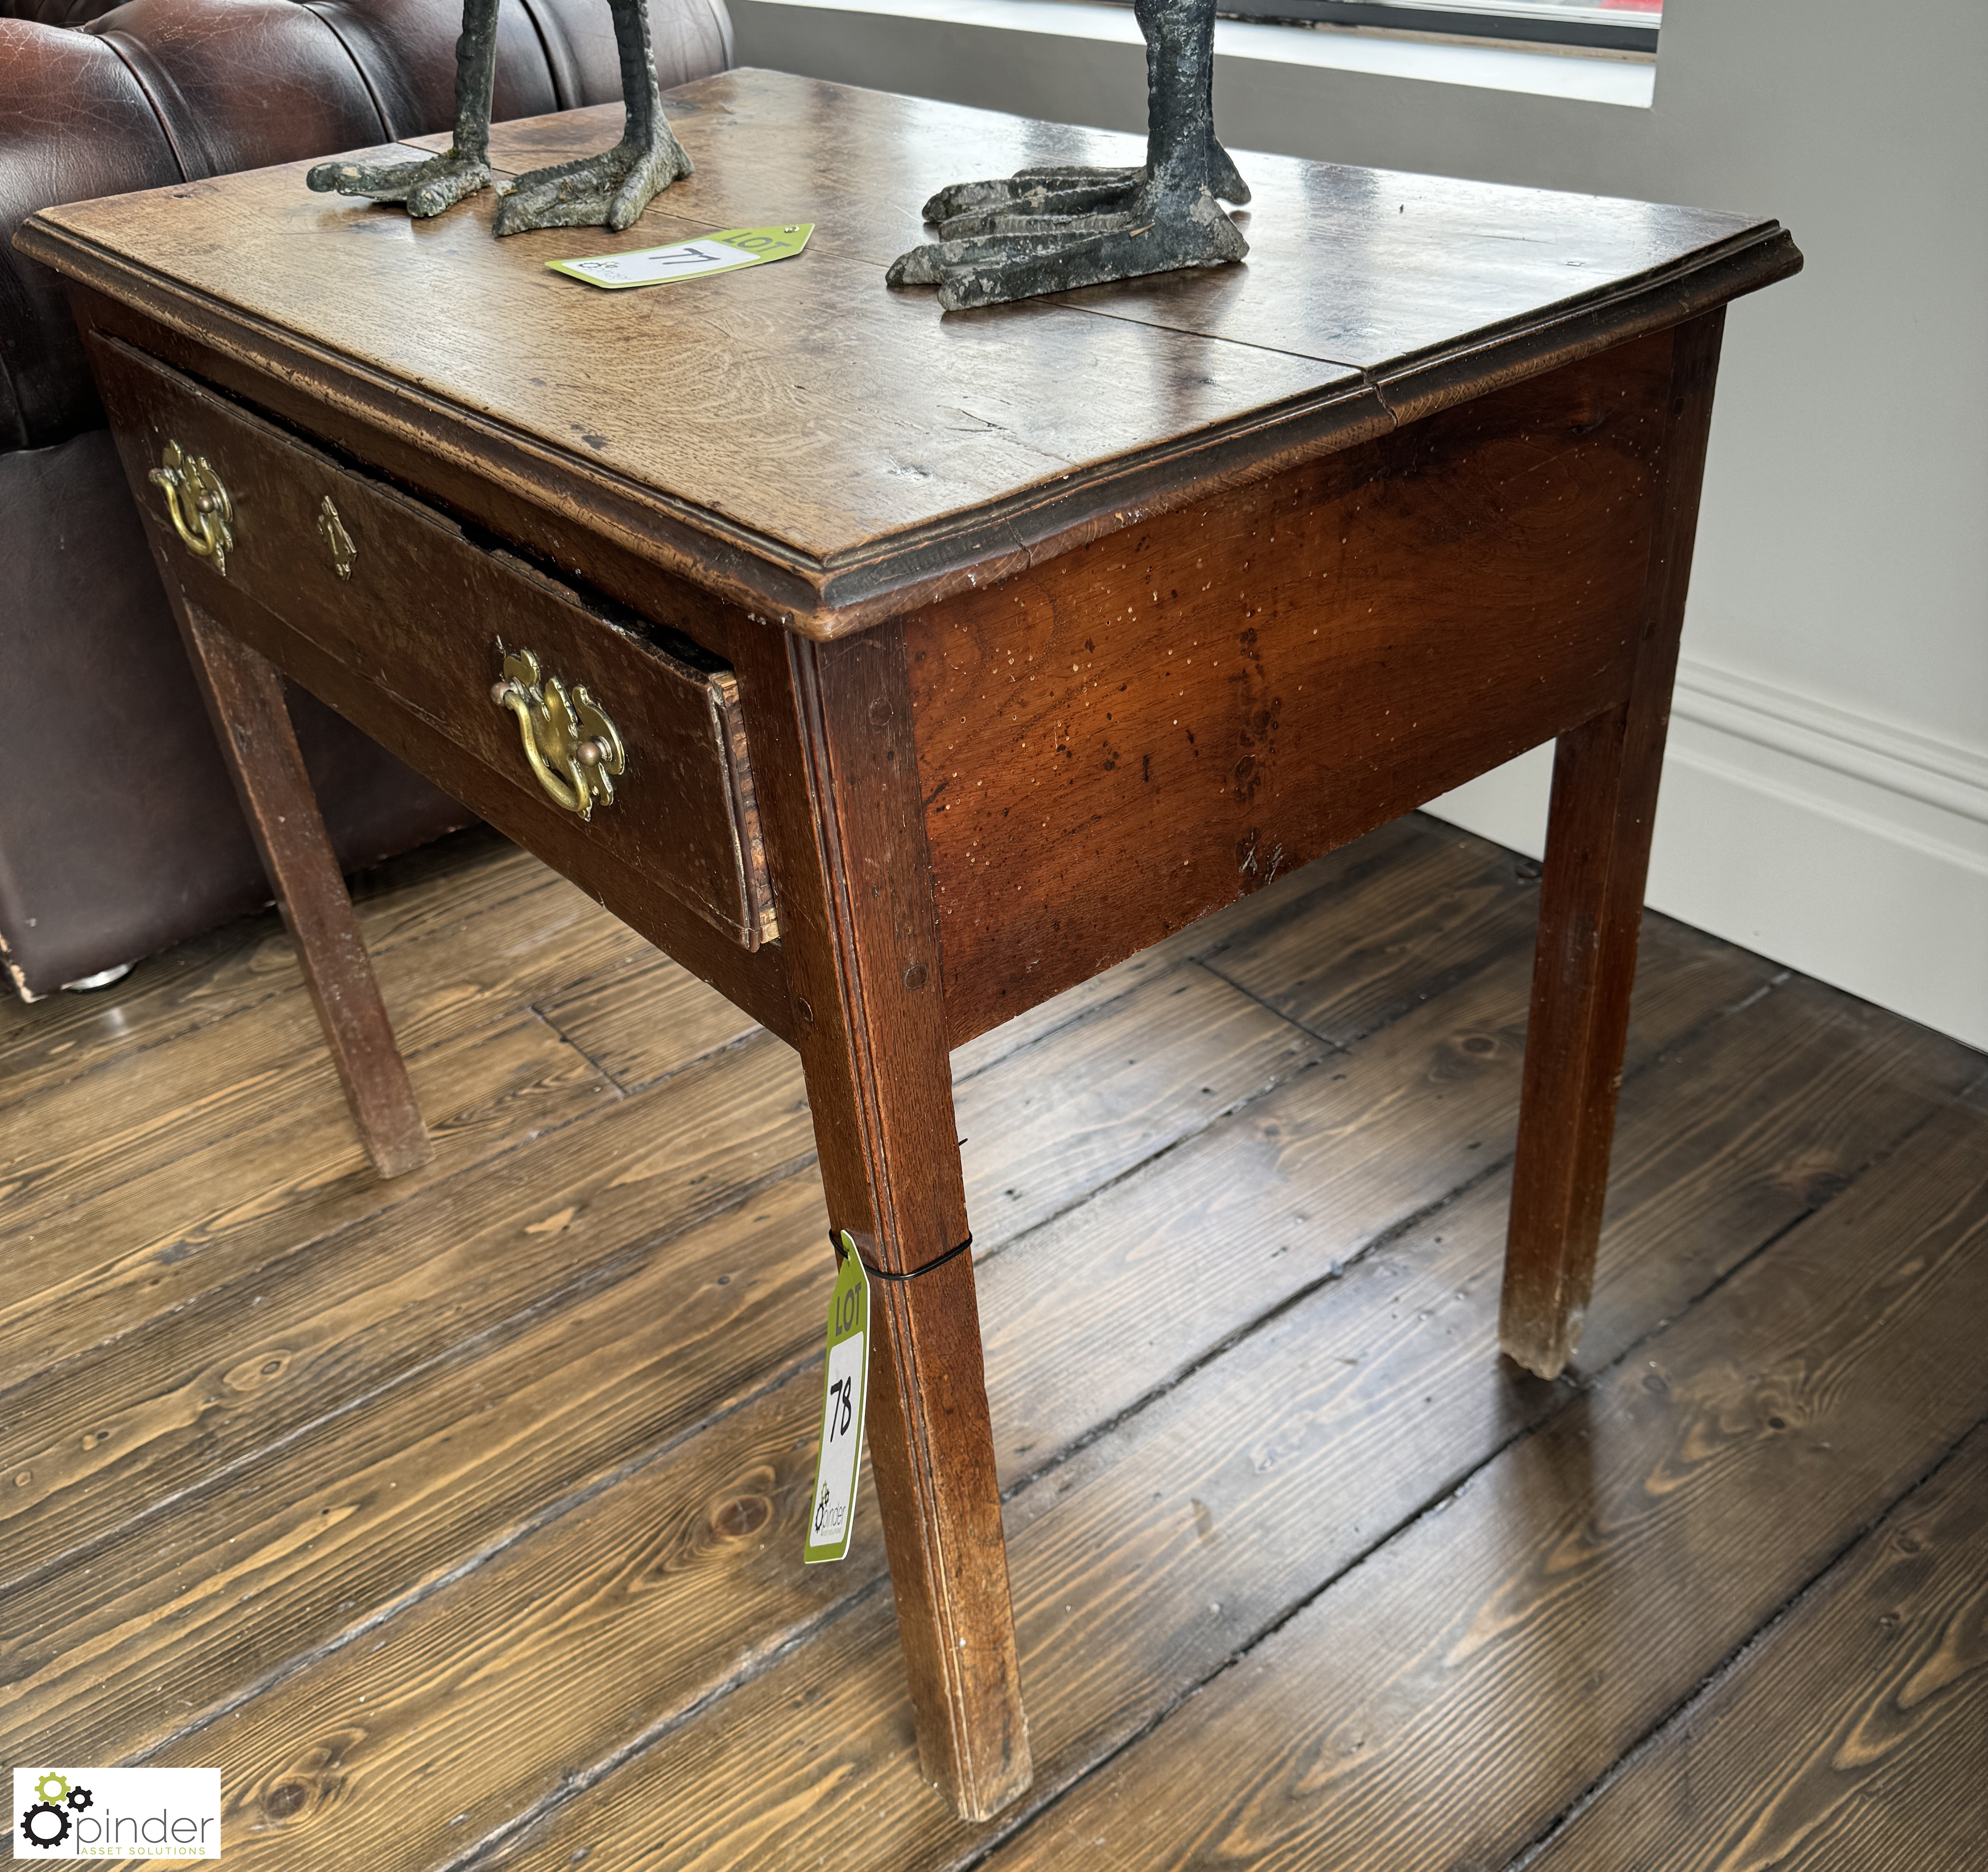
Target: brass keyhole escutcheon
<point x="201" y="512"/>
<point x="573" y="747"/>
<point x="331" y="530"/>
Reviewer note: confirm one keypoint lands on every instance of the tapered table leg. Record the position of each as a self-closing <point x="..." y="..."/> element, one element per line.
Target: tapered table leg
<point x="1605" y="796"/>
<point x="831" y="730"/>
<point x="245" y="698"/>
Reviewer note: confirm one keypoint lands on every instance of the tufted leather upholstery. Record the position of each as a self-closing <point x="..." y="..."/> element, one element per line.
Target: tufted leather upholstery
<point x="148" y="846"/>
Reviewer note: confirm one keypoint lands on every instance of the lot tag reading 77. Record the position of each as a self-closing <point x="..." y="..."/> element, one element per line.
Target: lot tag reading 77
<point x="834" y="1511"/>
<point x="725" y="252"/>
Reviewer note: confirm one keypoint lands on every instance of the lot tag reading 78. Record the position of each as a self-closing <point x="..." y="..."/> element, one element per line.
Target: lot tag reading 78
<point x="724" y="252"/>
<point x="834" y="1511"/>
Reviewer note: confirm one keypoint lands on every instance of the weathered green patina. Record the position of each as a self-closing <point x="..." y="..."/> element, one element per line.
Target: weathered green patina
<point x="1051" y="230"/>
<point x="609" y="190"/>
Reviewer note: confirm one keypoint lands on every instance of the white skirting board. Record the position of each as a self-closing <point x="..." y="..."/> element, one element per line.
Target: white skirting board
<point x="1853" y="851"/>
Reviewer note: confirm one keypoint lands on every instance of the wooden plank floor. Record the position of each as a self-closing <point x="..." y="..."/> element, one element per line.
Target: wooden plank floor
<point x="458" y="1519"/>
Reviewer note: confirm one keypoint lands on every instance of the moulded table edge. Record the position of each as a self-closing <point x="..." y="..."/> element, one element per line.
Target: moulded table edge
<point x="840" y="594"/>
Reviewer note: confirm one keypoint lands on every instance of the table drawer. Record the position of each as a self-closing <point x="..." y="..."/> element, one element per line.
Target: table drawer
<point x="399" y="594"/>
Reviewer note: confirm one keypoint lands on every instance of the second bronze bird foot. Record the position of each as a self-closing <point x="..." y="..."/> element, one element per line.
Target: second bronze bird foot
<point x="1054" y="229"/>
<point x="608" y="190"/>
<point x="1020" y="255"/>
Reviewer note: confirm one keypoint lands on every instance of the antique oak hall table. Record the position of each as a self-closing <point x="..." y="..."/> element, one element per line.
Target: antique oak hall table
<point x="894" y="671"/>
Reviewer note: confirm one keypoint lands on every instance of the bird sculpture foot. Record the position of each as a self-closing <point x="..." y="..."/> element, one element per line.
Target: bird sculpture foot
<point x="427" y="187"/>
<point x="987" y="256"/>
<point x="1062" y="188"/>
<point x="609" y="190"/>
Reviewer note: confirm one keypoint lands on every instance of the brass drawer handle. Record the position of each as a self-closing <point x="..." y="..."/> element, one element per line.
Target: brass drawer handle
<point x="202" y="513"/>
<point x="573" y="747"/>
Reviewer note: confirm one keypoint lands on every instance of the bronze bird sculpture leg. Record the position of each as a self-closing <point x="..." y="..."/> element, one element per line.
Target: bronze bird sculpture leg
<point x="1052" y="229"/>
<point x="439" y="182"/>
<point x="609" y="190"/>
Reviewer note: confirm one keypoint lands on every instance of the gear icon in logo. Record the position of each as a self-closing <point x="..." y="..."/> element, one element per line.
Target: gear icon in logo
<point x="40" y="1835"/>
<point x="78" y="1799"/>
<point x="51" y="1786"/>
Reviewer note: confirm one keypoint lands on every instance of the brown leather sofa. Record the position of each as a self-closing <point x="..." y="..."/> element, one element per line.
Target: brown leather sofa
<point x="119" y="832"/>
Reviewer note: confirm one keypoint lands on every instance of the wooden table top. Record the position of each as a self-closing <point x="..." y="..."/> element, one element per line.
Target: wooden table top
<point x="805" y="442"/>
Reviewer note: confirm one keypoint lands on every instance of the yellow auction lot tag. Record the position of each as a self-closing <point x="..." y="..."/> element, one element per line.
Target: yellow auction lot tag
<point x="833" y="1513"/>
<point x="709" y="253"/>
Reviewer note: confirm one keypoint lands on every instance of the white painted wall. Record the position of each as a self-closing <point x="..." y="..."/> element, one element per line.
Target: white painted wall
<point x="1826" y="800"/>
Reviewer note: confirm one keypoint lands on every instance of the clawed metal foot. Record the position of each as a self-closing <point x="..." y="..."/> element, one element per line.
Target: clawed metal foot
<point x="1064" y="188"/>
<point x="609" y="190"/>
<point x="1058" y="189"/>
<point x="1058" y="227"/>
<point x="1009" y="256"/>
<point x="427" y="187"/>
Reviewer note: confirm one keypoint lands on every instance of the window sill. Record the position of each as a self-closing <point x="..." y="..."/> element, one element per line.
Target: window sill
<point x="1596" y="78"/>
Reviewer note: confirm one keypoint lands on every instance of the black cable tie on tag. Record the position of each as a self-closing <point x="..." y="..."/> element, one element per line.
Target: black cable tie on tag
<point x="835" y="1242"/>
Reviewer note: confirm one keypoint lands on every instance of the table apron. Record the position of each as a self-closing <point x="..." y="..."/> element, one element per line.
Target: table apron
<point x="1125" y="738"/>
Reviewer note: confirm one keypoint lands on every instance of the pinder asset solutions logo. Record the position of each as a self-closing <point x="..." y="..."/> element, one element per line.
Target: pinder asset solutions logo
<point x="117" y="1813"/>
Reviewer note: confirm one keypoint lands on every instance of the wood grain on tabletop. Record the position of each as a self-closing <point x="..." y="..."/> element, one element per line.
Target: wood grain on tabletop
<point x="754" y="398"/>
<point x="1234" y="1494"/>
<point x="1116" y="742"/>
<point x="772" y="147"/>
<point x="698" y="1549"/>
<point x="787" y="470"/>
<point x="1370" y="267"/>
<point x="1419" y="271"/>
<point x="1854" y="1734"/>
